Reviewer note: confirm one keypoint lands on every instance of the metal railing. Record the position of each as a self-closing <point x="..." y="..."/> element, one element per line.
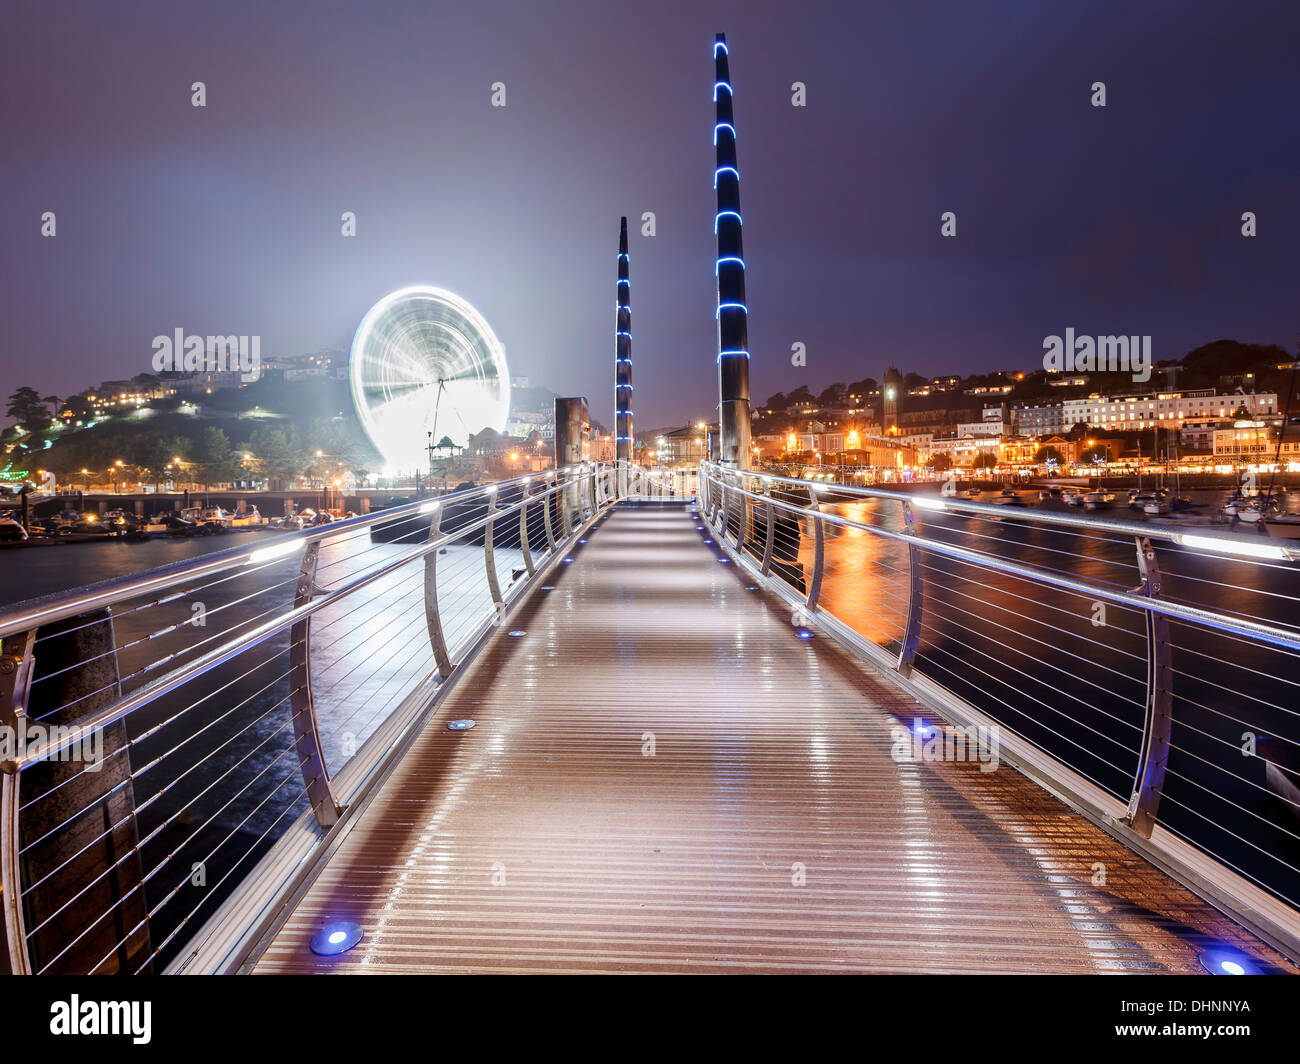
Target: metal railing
<point x="1145" y="671"/>
<point x="181" y="744"/>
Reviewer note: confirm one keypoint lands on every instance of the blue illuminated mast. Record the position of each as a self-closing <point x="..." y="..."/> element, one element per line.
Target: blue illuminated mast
<point x="623" y="359"/>
<point x="732" y="315"/>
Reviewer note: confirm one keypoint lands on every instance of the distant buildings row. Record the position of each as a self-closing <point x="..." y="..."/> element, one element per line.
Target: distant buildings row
<point x="1214" y="428"/>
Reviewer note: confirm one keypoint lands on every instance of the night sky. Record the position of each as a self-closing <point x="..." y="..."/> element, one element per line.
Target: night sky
<point x="226" y="219"/>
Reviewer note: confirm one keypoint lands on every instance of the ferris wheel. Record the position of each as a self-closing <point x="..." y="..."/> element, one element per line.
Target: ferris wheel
<point x="425" y="364"/>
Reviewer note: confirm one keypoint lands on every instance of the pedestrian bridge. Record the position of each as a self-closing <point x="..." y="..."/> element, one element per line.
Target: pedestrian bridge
<point x="722" y="723"/>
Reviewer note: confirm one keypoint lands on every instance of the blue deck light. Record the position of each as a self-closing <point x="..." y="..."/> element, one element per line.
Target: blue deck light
<point x="1228" y="962"/>
<point x="336" y="937"/>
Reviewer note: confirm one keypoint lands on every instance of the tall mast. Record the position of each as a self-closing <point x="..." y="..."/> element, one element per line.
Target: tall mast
<point x="623" y="361"/>
<point x="732" y="314"/>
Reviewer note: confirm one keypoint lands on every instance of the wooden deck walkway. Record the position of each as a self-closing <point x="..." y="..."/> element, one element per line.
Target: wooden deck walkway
<point x="665" y="778"/>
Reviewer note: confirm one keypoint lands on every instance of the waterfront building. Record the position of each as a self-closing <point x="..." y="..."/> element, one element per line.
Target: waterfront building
<point x="1254" y="441"/>
<point x="1161" y="409"/>
<point x="1038" y="419"/>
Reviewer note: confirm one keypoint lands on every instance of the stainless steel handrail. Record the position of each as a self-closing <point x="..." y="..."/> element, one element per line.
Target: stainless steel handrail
<point x="1268" y="633"/>
<point x="172" y="583"/>
<point x="35" y="613"/>
<point x="1264" y="905"/>
<point x="1150" y="530"/>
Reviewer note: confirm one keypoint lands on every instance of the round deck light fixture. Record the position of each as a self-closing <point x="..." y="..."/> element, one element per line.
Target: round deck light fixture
<point x="334" y="938"/>
<point x="1227" y="962"/>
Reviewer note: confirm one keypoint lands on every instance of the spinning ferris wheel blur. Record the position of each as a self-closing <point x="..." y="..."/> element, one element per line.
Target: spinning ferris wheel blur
<point x="425" y="361"/>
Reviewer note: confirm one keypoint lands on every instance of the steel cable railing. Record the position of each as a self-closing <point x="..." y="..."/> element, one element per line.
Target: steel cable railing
<point x="1146" y="671"/>
<point x="168" y="729"/>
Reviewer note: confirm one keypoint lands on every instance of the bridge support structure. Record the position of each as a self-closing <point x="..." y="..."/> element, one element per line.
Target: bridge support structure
<point x="623" y="436"/>
<point x="731" y="313"/>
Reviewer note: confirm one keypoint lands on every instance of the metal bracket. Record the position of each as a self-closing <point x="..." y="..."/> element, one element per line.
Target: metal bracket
<point x="302" y="706"/>
<point x="915" y="593"/>
<point x="16" y="662"/>
<point x="1149" y="781"/>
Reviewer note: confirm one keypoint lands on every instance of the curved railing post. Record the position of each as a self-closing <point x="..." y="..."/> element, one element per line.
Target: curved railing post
<point x="489" y="554"/>
<point x="769" y="540"/>
<point x="567" y="492"/>
<point x="302" y="704"/>
<point x="819" y="551"/>
<point x="546" y="510"/>
<point x="723" y="502"/>
<point x="1149" y="780"/>
<point x="15" y="683"/>
<point x="742" y="514"/>
<point x="432" y="618"/>
<point x="915" y="592"/>
<point x="523" y="529"/>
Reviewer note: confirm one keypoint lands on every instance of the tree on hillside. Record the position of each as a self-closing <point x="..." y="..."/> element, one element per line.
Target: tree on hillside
<point x="985" y="461"/>
<point x="940" y="463"/>
<point x="29" y="408"/>
<point x="1097" y="451"/>
<point x="215" y="461"/>
<point x="777" y="402"/>
<point x="153" y="452"/>
<point x="1048" y="454"/>
<point x="833" y="395"/>
<point x="1203" y="366"/>
<point x="279" y="452"/>
<point x="79" y="407"/>
<point x="864" y="387"/>
<point x="800" y="395"/>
